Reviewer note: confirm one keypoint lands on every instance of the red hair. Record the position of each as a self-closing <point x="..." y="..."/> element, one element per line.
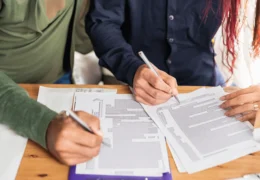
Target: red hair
<point x="229" y="10"/>
<point x="256" y="41"/>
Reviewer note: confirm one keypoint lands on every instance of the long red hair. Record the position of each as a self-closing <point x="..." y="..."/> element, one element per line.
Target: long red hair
<point x="229" y="10"/>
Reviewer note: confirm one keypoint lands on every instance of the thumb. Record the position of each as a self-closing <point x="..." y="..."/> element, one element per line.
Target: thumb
<point x="92" y="121"/>
<point x="97" y="131"/>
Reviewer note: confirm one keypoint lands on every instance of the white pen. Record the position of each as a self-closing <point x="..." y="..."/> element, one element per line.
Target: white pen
<point x="147" y="62"/>
<point x="76" y="118"/>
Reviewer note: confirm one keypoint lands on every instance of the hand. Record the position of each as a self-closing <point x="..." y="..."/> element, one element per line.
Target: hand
<point x="70" y="143"/>
<point x="243" y="102"/>
<point x="152" y="90"/>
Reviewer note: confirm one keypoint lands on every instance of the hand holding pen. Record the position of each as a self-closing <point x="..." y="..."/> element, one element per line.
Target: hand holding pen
<point x="69" y="142"/>
<point x="152" y="86"/>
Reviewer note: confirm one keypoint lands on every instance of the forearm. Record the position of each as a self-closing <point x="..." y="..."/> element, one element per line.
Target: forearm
<point x="21" y="113"/>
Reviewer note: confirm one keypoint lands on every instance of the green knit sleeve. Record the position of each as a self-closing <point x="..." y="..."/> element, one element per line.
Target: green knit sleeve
<point x="22" y="114"/>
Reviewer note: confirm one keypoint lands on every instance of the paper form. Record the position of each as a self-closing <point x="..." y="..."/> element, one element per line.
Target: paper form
<point x="201" y="135"/>
<point x="59" y="99"/>
<point x="138" y="147"/>
<point x="11" y="152"/>
<point x="176" y="159"/>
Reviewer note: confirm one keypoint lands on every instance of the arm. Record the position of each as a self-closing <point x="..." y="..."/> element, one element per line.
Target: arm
<point x="103" y="24"/>
<point x="21" y="113"/>
<point x="65" y="140"/>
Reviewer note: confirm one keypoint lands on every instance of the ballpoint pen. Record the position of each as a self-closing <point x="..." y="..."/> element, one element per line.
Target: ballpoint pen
<point x="147" y="62"/>
<point x="76" y="118"/>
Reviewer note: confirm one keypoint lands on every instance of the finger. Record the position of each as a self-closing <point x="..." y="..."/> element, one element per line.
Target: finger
<point x="157" y="82"/>
<point x="92" y="121"/>
<point x="231" y="89"/>
<point x="147" y="98"/>
<point x="64" y="145"/>
<point x="248" y="116"/>
<point x="79" y="151"/>
<point x="141" y="100"/>
<point x="240" y="100"/>
<point x="240" y="110"/>
<point x="74" y="161"/>
<point x="82" y="137"/>
<point x="155" y="93"/>
<point x="237" y="93"/>
<point x="67" y="155"/>
<point x="171" y="81"/>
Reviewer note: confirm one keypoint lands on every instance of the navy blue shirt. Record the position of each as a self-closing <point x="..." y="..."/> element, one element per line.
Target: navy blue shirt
<point x="172" y="33"/>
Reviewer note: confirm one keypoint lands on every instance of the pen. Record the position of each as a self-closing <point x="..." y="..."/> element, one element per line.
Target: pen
<point x="147" y="62"/>
<point x="76" y="118"/>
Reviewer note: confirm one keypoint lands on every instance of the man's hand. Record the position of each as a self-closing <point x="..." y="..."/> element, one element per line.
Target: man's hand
<point x="245" y="102"/>
<point x="70" y="143"/>
<point x="152" y="90"/>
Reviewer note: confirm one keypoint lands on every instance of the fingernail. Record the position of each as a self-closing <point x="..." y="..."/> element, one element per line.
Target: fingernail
<point x="223" y="98"/>
<point x="174" y="92"/>
<point x="100" y="133"/>
<point x="239" y="118"/>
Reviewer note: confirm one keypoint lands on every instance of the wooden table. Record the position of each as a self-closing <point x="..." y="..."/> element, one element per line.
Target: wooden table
<point x="37" y="164"/>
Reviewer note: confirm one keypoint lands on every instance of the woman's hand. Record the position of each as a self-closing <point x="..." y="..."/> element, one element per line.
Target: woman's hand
<point x="243" y="103"/>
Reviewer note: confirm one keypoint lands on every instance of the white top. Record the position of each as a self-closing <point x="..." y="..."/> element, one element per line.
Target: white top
<point x="247" y="68"/>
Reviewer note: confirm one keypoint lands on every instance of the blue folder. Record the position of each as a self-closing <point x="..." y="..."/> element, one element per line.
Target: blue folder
<point x="74" y="176"/>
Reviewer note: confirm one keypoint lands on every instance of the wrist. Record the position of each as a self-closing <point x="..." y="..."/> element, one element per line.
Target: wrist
<point x="53" y="125"/>
<point x="132" y="70"/>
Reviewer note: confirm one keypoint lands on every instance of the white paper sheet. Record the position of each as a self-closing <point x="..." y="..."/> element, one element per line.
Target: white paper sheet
<point x="176" y="159"/>
<point x="11" y="152"/>
<point x="59" y="99"/>
<point x="138" y="146"/>
<point x="200" y="134"/>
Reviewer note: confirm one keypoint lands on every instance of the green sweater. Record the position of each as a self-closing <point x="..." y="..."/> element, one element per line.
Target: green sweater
<point x="36" y="47"/>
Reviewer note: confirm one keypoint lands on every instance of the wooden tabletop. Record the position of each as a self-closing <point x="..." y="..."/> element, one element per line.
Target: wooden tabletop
<point x="37" y="164"/>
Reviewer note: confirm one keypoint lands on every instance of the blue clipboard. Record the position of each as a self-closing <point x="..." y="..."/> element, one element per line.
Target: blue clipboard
<point x="74" y="176"/>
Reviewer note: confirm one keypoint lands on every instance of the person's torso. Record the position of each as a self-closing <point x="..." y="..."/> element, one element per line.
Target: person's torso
<point x="33" y="36"/>
<point x="174" y="36"/>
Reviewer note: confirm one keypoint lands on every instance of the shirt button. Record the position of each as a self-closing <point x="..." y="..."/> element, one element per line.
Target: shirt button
<point x="171" y="40"/>
<point x="169" y="61"/>
<point x="171" y="17"/>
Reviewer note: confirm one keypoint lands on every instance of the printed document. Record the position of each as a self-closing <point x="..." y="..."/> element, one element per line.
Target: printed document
<point x="199" y="132"/>
<point x="59" y="99"/>
<point x="138" y="147"/>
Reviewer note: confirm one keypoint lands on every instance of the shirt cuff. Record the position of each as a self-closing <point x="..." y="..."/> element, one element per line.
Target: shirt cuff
<point x="47" y="117"/>
<point x="132" y="70"/>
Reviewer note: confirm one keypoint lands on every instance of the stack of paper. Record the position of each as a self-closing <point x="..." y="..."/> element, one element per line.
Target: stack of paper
<point x="199" y="134"/>
<point x="138" y="146"/>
